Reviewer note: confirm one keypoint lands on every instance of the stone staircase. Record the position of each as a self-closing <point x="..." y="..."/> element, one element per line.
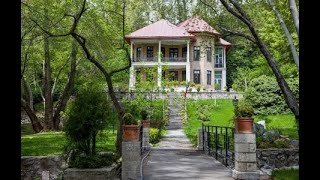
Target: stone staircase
<point x="175" y="108"/>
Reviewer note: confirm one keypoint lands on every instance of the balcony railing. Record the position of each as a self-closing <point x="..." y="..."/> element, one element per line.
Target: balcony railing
<point x="164" y="59"/>
<point x="176" y="59"/>
<point x="149" y="59"/>
<point x="218" y="65"/>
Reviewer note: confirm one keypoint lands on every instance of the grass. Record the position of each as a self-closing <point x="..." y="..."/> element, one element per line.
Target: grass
<point x="285" y="123"/>
<point x="220" y="113"/>
<point x="52" y="143"/>
<point x="285" y="174"/>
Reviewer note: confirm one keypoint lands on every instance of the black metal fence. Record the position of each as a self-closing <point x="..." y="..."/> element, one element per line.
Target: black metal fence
<point x="218" y="141"/>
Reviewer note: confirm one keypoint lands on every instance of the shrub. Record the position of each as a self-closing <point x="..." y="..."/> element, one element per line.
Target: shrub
<point x="128" y="119"/>
<point x="93" y="161"/>
<point x="243" y="109"/>
<point x="155" y="135"/>
<point x="282" y="143"/>
<point x="266" y="97"/>
<point x="88" y="114"/>
<point x="144" y="114"/>
<point x="198" y="87"/>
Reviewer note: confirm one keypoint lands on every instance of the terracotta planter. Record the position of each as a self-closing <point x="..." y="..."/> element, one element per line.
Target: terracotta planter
<point x="146" y="123"/>
<point x="244" y="125"/>
<point x="131" y="132"/>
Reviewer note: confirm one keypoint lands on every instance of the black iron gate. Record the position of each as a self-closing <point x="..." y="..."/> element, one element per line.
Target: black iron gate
<point x="218" y="141"/>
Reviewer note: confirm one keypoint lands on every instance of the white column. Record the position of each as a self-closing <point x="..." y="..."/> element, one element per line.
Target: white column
<point x="131" y="80"/>
<point x="224" y="71"/>
<point x="131" y="52"/>
<point x="224" y="57"/>
<point x="224" y="79"/>
<point x="188" y="62"/>
<point x="159" y="75"/>
<point x="188" y="55"/>
<point x="188" y="72"/>
<point x="159" y="52"/>
<point x="159" y="65"/>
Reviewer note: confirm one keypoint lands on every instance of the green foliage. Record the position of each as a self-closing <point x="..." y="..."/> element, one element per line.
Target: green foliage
<point x="155" y="135"/>
<point x="128" y="119"/>
<point x="219" y="115"/>
<point x="265" y="95"/>
<point x="284" y="122"/>
<point x="198" y="87"/>
<point x="285" y="174"/>
<point x="87" y="116"/>
<point x="243" y="109"/>
<point x="144" y="114"/>
<point x="52" y="143"/>
<point x="282" y="143"/>
<point x="93" y="161"/>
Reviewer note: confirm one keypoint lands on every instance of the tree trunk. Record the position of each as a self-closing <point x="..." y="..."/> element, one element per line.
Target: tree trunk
<point x="48" y="104"/>
<point x="64" y="97"/>
<point x="285" y="89"/>
<point x="286" y="32"/>
<point x="295" y="14"/>
<point x="94" y="137"/>
<point x="120" y="112"/>
<point x="36" y="126"/>
<point x="27" y="93"/>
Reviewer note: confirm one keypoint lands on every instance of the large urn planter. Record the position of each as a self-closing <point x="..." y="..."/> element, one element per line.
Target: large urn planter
<point x="131" y="132"/>
<point x="131" y="129"/>
<point x="244" y="125"/>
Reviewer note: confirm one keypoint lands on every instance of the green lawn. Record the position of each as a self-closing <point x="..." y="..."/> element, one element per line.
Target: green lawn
<point x="52" y="143"/>
<point x="285" y="123"/>
<point x="285" y="174"/>
<point x="220" y="113"/>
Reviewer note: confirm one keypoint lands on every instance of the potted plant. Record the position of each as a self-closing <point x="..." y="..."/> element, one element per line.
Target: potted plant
<point x="130" y="128"/>
<point x="243" y="117"/>
<point x="145" y="121"/>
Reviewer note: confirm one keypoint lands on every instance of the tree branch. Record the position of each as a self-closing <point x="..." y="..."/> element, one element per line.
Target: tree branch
<point x="285" y="89"/>
<point x="59" y="72"/>
<point x="238" y="33"/>
<point x="286" y="32"/>
<point x="207" y="4"/>
<point x="295" y="14"/>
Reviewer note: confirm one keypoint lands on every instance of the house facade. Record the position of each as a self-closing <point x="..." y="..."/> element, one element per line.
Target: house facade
<point x="190" y="51"/>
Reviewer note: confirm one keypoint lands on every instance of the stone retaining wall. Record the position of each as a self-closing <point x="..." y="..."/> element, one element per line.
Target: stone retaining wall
<point x="33" y="166"/>
<point x="190" y="95"/>
<point x="277" y="158"/>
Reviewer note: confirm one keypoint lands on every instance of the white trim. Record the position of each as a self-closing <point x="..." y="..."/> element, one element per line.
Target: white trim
<point x="159" y="52"/>
<point x="188" y="51"/>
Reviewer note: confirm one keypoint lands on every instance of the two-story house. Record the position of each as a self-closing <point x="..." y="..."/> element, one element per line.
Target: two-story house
<point x="192" y="51"/>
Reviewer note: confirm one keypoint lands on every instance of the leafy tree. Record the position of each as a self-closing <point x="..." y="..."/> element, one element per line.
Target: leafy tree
<point x="88" y="114"/>
<point x="237" y="9"/>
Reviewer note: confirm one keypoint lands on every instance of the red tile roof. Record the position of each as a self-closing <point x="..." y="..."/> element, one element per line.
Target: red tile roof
<point x="159" y="29"/>
<point x="196" y="24"/>
<point x="224" y="42"/>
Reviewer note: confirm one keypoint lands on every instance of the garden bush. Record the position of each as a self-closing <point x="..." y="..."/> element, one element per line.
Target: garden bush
<point x="93" y="161"/>
<point x="155" y="135"/>
<point x="88" y="114"/>
<point x="265" y="95"/>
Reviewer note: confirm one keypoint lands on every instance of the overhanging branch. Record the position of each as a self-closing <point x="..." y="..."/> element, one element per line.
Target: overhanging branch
<point x="238" y="33"/>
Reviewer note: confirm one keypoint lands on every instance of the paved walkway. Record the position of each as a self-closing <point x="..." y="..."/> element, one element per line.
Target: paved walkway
<point x="176" y="159"/>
